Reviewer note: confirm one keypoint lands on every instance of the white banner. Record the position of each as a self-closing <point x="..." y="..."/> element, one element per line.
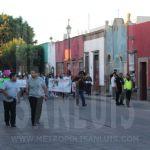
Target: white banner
<point x="60" y="85"/>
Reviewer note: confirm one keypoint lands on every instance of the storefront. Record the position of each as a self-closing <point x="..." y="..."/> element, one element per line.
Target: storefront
<point x="139" y="57"/>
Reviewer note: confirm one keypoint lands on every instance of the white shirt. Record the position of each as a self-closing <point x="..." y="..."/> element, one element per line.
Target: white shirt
<point x="36" y="86"/>
<point x="12" y="89"/>
<point x="113" y="83"/>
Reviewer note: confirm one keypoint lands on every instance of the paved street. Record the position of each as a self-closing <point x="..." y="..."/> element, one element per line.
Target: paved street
<point x="64" y="126"/>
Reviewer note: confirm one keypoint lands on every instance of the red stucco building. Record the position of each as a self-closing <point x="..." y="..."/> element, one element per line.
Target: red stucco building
<point x="76" y="55"/>
<point x="139" y="57"/>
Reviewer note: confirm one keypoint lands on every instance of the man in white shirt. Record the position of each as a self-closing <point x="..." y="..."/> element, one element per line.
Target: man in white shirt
<point x="113" y="85"/>
<point x="11" y="96"/>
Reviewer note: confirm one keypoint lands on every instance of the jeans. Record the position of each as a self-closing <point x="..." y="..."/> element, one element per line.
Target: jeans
<point x="81" y="93"/>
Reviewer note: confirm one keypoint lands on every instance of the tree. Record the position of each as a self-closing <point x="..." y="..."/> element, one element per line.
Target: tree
<point x="22" y="56"/>
<point x="38" y="58"/>
<point x="15" y="34"/>
<point x="14" y="28"/>
<point x="8" y="57"/>
<point x="31" y="57"/>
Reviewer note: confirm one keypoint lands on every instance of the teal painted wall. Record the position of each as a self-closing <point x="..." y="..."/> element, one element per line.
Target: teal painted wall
<point x="46" y="47"/>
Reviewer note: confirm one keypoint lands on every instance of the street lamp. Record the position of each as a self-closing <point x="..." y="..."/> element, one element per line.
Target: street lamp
<point x="51" y="39"/>
<point x="68" y="28"/>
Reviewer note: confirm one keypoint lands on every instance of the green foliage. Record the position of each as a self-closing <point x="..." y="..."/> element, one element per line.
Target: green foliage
<point x="31" y="56"/>
<point x="14" y="28"/>
<point x="8" y="58"/>
<point x="38" y="58"/>
<point x="16" y="37"/>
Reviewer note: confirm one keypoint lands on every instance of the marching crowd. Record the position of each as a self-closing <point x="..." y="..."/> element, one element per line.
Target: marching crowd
<point x="37" y="90"/>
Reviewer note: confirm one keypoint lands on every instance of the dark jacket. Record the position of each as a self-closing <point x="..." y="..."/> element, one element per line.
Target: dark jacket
<point x="119" y="84"/>
<point x="81" y="83"/>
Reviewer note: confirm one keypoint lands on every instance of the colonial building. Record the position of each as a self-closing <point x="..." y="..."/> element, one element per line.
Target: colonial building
<point x="69" y="55"/>
<point x="94" y="57"/>
<point x="49" y="57"/>
<point x="139" y="57"/>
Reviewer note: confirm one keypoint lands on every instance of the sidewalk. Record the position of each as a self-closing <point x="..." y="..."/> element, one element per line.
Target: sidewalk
<point x="108" y="97"/>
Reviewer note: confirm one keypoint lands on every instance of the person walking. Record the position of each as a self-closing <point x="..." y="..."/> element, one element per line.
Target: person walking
<point x="128" y="88"/>
<point x="37" y="91"/>
<point x="10" y="91"/>
<point x="81" y="87"/>
<point x="88" y="84"/>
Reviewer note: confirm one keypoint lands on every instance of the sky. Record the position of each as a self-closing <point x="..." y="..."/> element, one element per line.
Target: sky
<point x="49" y="17"/>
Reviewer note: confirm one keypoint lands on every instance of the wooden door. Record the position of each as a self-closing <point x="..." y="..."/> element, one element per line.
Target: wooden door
<point x="143" y="81"/>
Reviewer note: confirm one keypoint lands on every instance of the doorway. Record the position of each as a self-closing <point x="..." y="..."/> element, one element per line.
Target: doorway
<point x="143" y="80"/>
<point x="96" y="69"/>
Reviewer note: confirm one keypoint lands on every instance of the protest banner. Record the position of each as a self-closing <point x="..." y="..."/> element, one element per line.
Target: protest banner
<point x="60" y="85"/>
